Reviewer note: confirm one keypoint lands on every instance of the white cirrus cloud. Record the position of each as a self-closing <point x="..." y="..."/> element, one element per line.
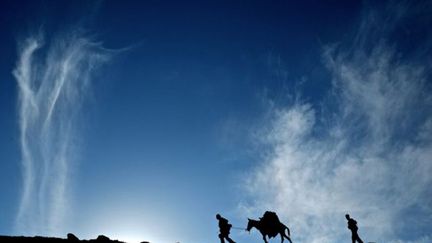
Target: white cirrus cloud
<point x="53" y="78"/>
<point x="367" y="152"/>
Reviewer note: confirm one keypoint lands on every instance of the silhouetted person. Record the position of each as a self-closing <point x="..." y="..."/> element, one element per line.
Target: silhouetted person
<point x="224" y="229"/>
<point x="352" y="225"/>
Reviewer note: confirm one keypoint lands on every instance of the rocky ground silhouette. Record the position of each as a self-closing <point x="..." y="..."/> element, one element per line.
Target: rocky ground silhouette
<point x="70" y="238"/>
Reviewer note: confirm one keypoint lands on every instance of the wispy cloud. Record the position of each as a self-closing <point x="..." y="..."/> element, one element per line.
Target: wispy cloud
<point x="367" y="152"/>
<point x="53" y="77"/>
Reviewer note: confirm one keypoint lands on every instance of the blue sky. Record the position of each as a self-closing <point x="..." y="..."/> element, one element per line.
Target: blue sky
<point x="141" y="120"/>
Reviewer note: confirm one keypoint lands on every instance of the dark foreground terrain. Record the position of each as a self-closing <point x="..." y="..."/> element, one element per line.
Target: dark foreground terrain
<point x="70" y="238"/>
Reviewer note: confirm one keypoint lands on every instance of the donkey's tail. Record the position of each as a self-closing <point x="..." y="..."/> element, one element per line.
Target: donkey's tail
<point x="288" y="230"/>
<point x="289" y="234"/>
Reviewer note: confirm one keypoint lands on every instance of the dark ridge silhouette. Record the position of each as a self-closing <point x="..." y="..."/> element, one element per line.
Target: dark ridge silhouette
<point x="70" y="238"/>
<point x="268" y="225"/>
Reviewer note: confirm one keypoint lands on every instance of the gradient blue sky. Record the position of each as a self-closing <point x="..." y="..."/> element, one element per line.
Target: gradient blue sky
<point x="309" y="108"/>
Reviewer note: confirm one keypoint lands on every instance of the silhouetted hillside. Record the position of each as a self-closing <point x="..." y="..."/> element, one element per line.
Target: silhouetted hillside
<point x="70" y="238"/>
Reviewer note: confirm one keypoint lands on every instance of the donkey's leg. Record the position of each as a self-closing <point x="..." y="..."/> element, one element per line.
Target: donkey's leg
<point x="265" y="240"/>
<point x="288" y="238"/>
<point x="282" y="238"/>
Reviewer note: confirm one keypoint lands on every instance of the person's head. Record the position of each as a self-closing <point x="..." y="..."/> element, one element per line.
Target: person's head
<point x="347" y="216"/>
<point x="218" y="216"/>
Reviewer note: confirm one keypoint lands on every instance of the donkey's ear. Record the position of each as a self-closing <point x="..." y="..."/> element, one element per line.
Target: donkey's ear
<point x="249" y="219"/>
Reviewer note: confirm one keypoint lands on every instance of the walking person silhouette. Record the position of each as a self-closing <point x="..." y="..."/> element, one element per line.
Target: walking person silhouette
<point x="224" y="229"/>
<point x="352" y="225"/>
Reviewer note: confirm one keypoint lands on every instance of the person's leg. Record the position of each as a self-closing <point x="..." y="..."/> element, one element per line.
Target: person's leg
<point x="356" y="237"/>
<point x="230" y="240"/>
<point x="353" y="238"/>
<point x="221" y="237"/>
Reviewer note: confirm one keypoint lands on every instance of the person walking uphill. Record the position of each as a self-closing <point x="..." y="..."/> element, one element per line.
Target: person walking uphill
<point x="352" y="225"/>
<point x="224" y="229"/>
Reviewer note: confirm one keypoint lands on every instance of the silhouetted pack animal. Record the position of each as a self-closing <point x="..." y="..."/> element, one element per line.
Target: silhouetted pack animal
<point x="270" y="225"/>
<point x="270" y="222"/>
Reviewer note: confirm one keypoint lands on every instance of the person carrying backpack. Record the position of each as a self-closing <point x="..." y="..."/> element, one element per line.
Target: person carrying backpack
<point x="352" y="225"/>
<point x="224" y="229"/>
